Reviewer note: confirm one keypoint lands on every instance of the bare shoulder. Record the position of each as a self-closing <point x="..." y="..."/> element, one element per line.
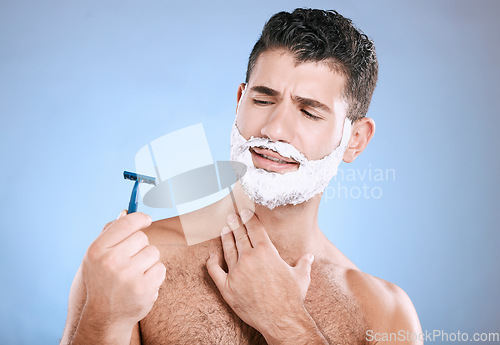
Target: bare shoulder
<point x="166" y="232"/>
<point x="388" y="309"/>
<point x="168" y="236"/>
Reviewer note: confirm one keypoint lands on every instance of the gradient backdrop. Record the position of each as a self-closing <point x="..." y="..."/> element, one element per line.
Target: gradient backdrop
<point x="84" y="85"/>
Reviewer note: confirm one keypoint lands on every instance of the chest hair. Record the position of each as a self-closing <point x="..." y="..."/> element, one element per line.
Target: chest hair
<point x="190" y="309"/>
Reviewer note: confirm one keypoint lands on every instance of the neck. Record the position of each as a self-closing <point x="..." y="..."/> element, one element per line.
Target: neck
<point x="293" y="229"/>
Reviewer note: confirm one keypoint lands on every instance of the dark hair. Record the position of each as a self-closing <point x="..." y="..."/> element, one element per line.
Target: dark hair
<point x="325" y="36"/>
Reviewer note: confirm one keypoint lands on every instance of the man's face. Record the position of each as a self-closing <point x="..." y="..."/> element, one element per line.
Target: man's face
<point x="299" y="104"/>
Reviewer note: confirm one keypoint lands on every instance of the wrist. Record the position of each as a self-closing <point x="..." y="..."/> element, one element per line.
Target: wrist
<point x="96" y="328"/>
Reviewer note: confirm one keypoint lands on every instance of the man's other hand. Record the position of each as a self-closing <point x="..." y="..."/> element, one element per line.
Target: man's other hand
<point x="261" y="288"/>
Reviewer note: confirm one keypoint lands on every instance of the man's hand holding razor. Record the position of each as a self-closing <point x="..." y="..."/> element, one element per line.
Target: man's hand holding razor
<point x="122" y="274"/>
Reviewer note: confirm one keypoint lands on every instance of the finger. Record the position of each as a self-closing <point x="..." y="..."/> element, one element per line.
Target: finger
<point x="146" y="258"/>
<point x="122" y="213"/>
<point x="156" y="274"/>
<point x="256" y="232"/>
<point x="229" y="247"/>
<point x="133" y="244"/>
<point x="240" y="233"/>
<point x="107" y="225"/>
<point x="216" y="272"/>
<point x="304" y="263"/>
<point x="124" y="227"/>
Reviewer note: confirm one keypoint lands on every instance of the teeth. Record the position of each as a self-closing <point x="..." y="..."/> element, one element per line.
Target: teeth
<point x="274" y="159"/>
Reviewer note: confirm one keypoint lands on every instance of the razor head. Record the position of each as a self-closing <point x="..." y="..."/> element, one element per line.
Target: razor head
<point x="138" y="177"/>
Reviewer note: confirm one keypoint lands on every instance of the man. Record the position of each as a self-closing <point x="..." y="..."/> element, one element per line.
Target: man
<point x="272" y="276"/>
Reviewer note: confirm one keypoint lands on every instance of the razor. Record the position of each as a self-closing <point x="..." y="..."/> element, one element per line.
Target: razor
<point x="134" y="198"/>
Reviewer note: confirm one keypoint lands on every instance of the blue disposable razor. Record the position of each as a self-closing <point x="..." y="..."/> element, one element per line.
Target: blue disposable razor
<point x="134" y="198"/>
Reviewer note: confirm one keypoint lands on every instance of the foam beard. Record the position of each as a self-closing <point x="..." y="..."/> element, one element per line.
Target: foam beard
<point x="272" y="189"/>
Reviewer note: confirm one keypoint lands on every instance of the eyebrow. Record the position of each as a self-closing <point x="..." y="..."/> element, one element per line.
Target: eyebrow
<point x="265" y="90"/>
<point x="309" y="102"/>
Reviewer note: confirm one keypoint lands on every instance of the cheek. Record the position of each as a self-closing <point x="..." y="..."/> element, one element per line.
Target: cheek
<point x="319" y="141"/>
<point x="248" y="125"/>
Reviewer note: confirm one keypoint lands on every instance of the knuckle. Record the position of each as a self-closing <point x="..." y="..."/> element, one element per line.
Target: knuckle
<point x="242" y="238"/>
<point x="110" y="262"/>
<point x="107" y="225"/>
<point x="93" y="252"/>
<point x="260" y="250"/>
<point x="142" y="237"/>
<point x="159" y="270"/>
<point x="126" y="222"/>
<point x="142" y="217"/>
<point x="147" y="254"/>
<point x="245" y="256"/>
<point x="156" y="268"/>
<point x="263" y="243"/>
<point x="155" y="252"/>
<point x="265" y="246"/>
<point x="146" y="217"/>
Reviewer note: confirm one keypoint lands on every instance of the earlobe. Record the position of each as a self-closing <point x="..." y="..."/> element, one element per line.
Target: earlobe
<point x="362" y="132"/>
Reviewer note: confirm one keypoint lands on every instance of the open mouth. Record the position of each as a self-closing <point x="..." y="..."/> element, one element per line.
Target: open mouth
<point x="273" y="156"/>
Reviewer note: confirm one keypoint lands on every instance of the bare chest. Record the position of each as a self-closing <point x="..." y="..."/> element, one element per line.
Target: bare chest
<point x="190" y="310"/>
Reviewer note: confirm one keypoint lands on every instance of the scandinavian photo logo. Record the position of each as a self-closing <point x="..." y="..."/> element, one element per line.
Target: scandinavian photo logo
<point x="360" y="183"/>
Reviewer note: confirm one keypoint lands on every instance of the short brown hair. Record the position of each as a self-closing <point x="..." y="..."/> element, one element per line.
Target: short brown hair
<point x="325" y="36"/>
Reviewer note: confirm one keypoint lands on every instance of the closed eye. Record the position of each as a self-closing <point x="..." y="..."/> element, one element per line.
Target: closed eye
<point x="260" y="102"/>
<point x="309" y="115"/>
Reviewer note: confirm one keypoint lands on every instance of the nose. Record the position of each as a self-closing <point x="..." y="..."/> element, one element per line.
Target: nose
<point x="280" y="124"/>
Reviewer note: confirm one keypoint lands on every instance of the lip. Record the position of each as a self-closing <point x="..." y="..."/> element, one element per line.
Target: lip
<point x="273" y="154"/>
<point x="267" y="164"/>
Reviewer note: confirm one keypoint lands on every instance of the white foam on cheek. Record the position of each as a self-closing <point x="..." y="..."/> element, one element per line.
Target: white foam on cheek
<point x="273" y="189"/>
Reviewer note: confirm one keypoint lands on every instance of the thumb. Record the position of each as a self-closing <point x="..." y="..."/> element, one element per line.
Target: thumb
<point x="304" y="263"/>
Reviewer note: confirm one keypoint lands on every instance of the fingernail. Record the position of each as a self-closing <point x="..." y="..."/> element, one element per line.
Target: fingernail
<point x="122" y="213"/>
<point x="245" y="215"/>
<point x="225" y="230"/>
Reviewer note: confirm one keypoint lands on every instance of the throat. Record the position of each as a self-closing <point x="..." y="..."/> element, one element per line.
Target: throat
<point x="293" y="229"/>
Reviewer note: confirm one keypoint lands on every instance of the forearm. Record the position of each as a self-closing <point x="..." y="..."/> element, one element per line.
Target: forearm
<point x="93" y="329"/>
<point x="299" y="329"/>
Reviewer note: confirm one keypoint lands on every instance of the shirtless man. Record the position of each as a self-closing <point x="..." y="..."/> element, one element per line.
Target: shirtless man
<point x="271" y="276"/>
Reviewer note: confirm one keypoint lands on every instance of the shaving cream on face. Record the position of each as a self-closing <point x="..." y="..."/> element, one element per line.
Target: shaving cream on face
<point x="272" y="189"/>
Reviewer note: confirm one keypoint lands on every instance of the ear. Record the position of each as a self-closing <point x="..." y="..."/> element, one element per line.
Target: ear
<point x="241" y="87"/>
<point x="362" y="132"/>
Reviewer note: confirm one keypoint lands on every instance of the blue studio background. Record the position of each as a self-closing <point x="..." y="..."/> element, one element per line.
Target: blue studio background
<point x="84" y="85"/>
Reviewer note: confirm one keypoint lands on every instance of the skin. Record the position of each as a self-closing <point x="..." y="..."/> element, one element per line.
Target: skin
<point x="271" y="276"/>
